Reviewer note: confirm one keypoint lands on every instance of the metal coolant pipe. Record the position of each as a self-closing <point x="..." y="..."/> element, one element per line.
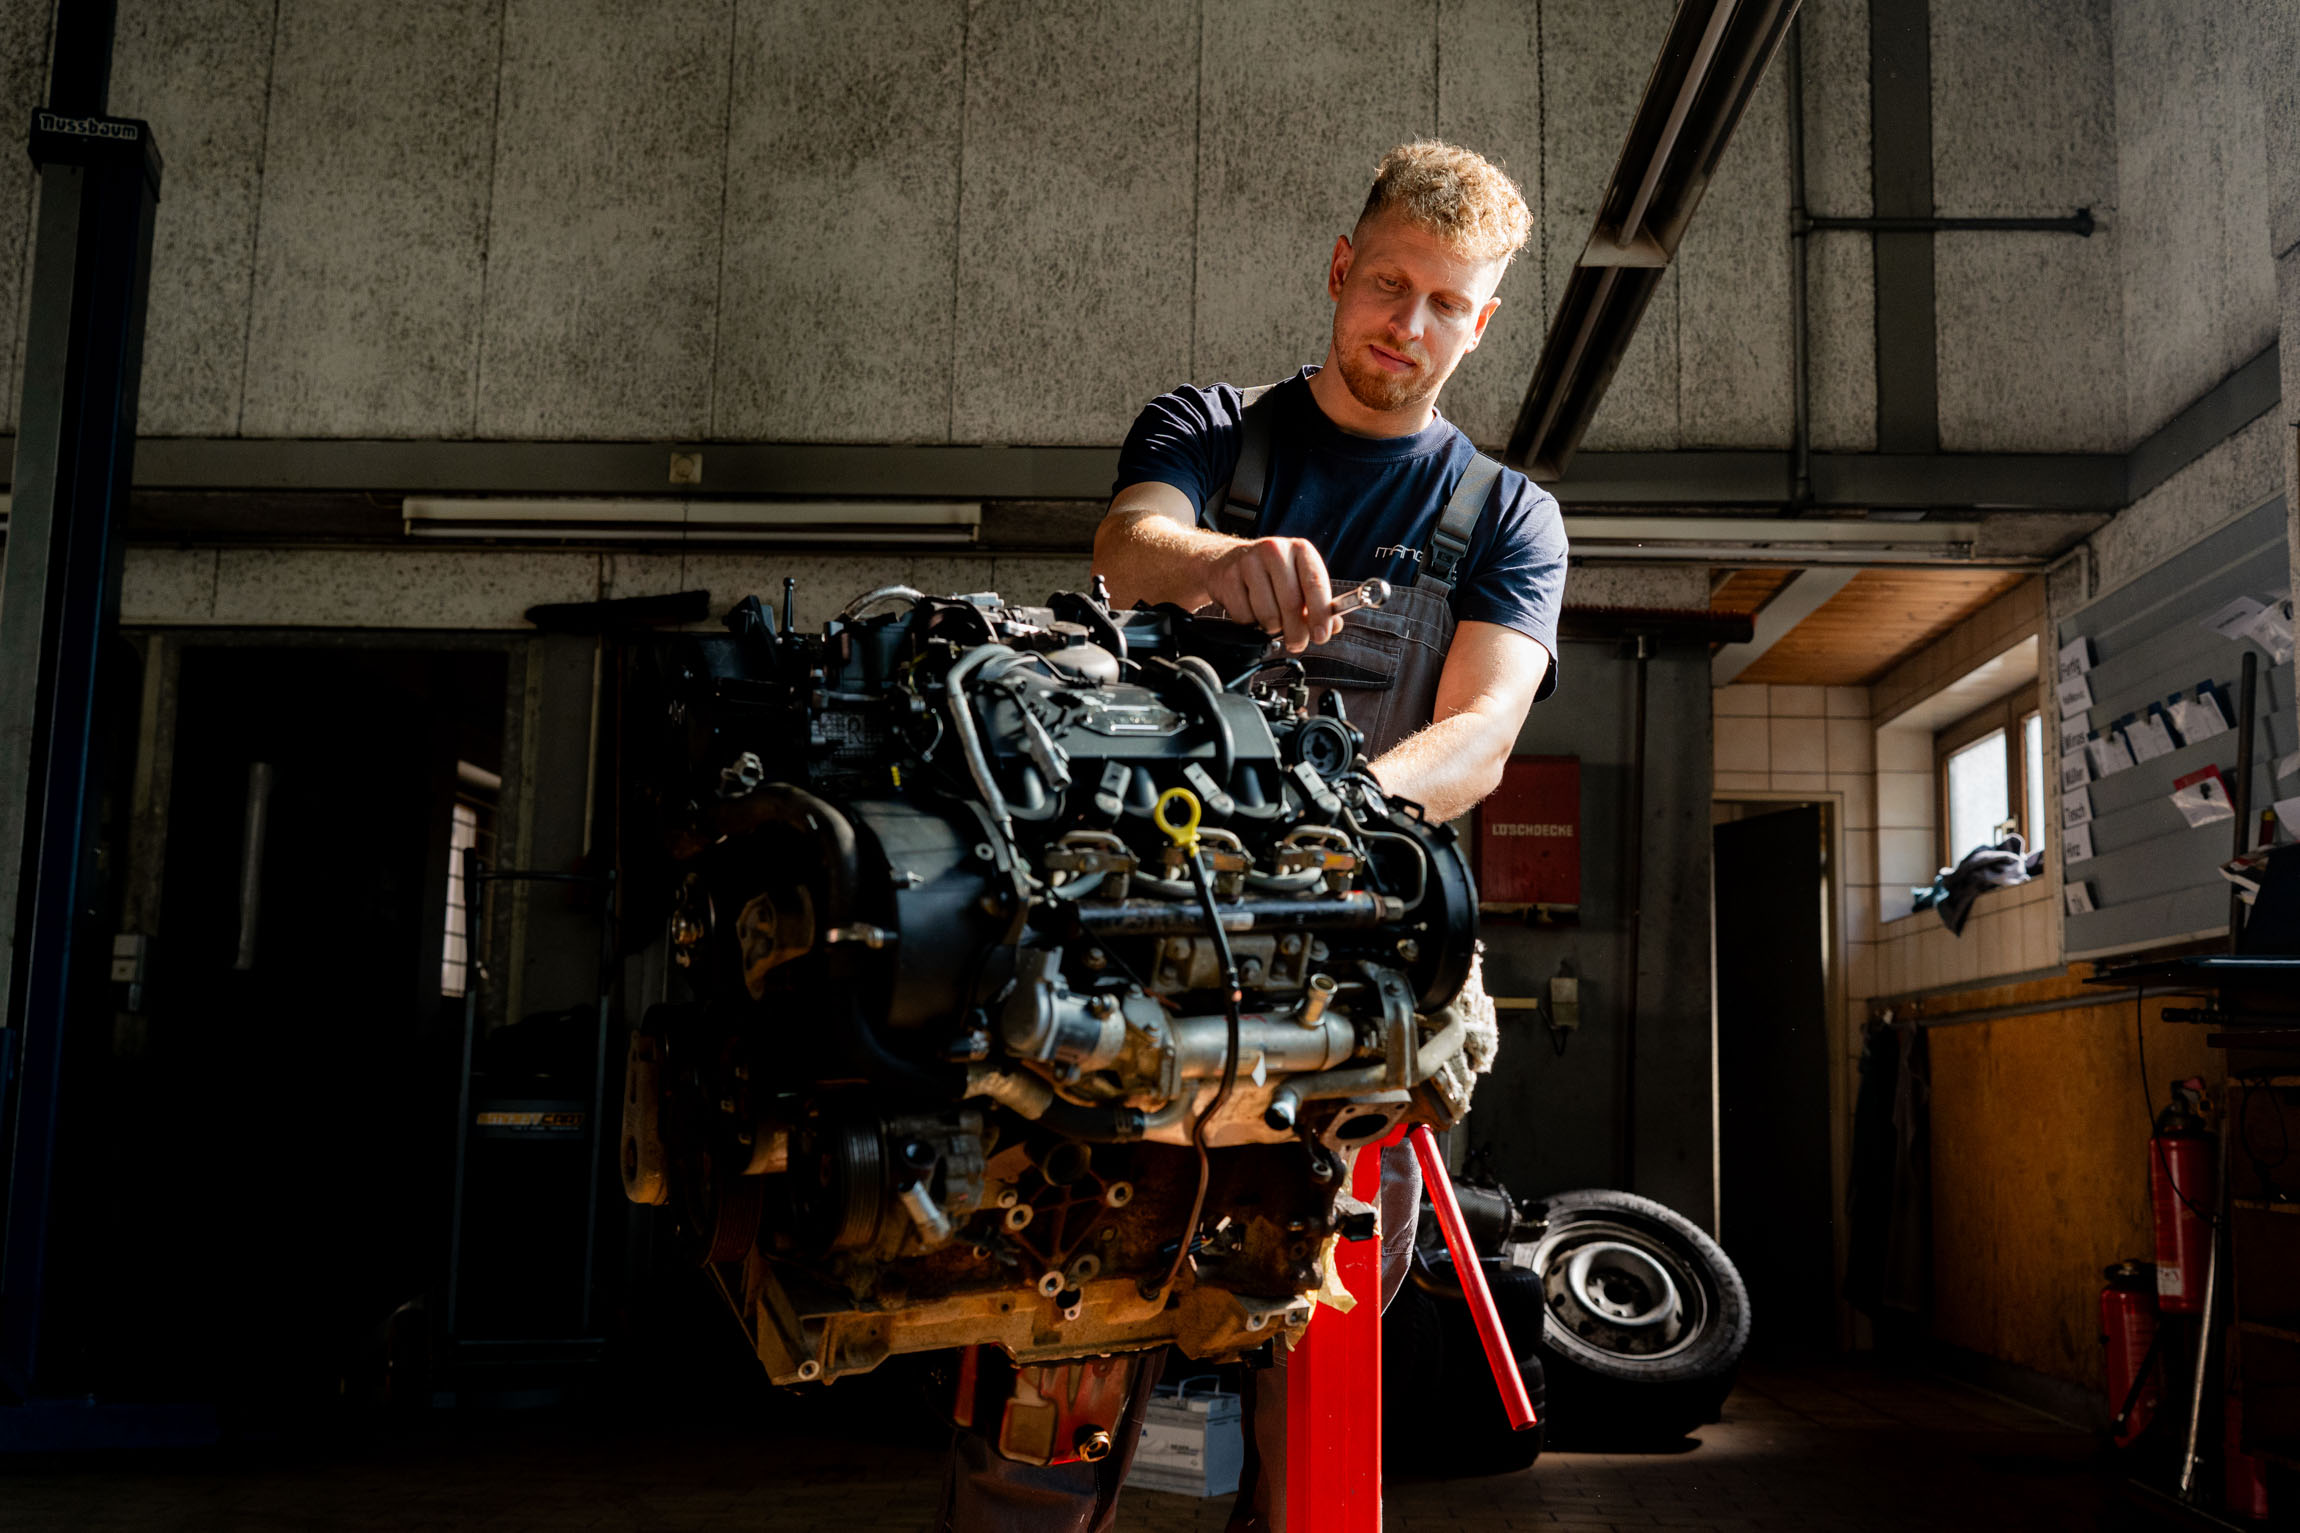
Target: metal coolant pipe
<point x="1498" y="1355"/>
<point x="1175" y="918"/>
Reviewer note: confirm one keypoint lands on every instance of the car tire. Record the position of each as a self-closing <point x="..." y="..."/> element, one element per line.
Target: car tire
<point x="1479" y="1439"/>
<point x="1644" y="1318"/>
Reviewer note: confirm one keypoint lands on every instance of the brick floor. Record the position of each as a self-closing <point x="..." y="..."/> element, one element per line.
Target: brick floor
<point x="1825" y="1447"/>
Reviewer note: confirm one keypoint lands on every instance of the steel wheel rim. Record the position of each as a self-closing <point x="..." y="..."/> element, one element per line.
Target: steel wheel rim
<point x="1617" y="1291"/>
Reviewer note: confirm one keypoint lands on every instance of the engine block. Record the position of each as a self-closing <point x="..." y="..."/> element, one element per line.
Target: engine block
<point x="1042" y="969"/>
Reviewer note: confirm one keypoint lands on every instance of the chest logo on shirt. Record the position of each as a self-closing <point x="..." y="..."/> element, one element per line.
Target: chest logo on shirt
<point x="1399" y="551"/>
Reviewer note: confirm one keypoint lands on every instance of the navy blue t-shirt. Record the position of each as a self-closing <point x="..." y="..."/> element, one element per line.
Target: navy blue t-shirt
<point x="1370" y="505"/>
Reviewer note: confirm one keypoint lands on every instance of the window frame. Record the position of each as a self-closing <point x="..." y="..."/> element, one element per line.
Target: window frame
<point x="2011" y="714"/>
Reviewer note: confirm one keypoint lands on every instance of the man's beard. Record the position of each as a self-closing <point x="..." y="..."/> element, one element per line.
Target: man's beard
<point x="1378" y="389"/>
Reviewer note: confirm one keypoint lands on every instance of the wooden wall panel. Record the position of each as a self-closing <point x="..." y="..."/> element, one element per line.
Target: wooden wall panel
<point x="2040" y="1169"/>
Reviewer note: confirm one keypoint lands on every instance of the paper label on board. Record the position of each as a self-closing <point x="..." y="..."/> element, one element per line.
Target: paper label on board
<point x="2271" y="629"/>
<point x="2108" y="753"/>
<point x="2072" y="733"/>
<point x="2199" y="717"/>
<point x="2148" y="739"/>
<point x="2231" y="621"/>
<point x="2073" y="772"/>
<point x="2075" y="658"/>
<point x="2075" y="809"/>
<point x="2201" y="797"/>
<point x="2077" y="897"/>
<point x="2075" y="696"/>
<point x="2076" y="844"/>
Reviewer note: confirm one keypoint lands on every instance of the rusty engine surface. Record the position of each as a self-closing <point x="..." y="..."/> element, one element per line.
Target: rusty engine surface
<point x="1044" y="967"/>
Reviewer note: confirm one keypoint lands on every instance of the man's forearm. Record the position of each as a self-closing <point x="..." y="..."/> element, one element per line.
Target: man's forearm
<point x="1149" y="557"/>
<point x="1148" y="550"/>
<point x="1450" y="766"/>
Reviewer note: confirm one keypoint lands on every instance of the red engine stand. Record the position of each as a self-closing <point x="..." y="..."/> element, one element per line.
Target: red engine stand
<point x="1334" y="1379"/>
<point x="1334" y="1392"/>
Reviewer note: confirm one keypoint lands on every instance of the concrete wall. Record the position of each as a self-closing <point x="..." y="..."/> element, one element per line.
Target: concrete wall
<point x="1012" y="222"/>
<point x="1553" y="1119"/>
<point x="934" y="221"/>
<point x="2029" y="341"/>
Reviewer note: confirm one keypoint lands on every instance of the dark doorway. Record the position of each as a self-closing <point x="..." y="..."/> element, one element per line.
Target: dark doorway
<point x="1773" y="1074"/>
<point x="275" y="1172"/>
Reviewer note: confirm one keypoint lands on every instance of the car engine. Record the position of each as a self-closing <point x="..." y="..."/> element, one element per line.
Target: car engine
<point x="1038" y="972"/>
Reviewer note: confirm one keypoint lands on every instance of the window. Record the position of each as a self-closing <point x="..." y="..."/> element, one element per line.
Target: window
<point x="1990" y="767"/>
<point x="473" y="826"/>
<point x="1978" y="802"/>
<point x="2036" y="812"/>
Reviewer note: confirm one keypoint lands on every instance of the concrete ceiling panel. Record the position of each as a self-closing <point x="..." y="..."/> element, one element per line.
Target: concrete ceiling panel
<point x="1075" y="219"/>
<point x="23" y="84"/>
<point x="200" y="72"/>
<point x="2028" y="343"/>
<point x="1489" y="99"/>
<point x="1297" y="103"/>
<point x="2193" y="205"/>
<point x="1733" y="320"/>
<point x="603" y="251"/>
<point x="1841" y="354"/>
<point x="1597" y="56"/>
<point x="2023" y="108"/>
<point x="371" y="239"/>
<point x="841" y="221"/>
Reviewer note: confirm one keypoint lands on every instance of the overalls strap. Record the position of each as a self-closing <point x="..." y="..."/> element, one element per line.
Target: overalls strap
<point x="1238" y="510"/>
<point x="1451" y="540"/>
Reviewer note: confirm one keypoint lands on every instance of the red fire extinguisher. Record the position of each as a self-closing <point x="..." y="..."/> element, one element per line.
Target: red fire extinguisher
<point x="2181" y="1192"/>
<point x="2128" y="1334"/>
<point x="2245" y="1487"/>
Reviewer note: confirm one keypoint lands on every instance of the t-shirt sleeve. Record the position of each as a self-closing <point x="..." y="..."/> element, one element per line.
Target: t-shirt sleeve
<point x="1520" y="583"/>
<point x="1188" y="439"/>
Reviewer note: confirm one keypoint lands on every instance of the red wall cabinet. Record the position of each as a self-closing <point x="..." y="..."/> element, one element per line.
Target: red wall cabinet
<point x="1529" y="836"/>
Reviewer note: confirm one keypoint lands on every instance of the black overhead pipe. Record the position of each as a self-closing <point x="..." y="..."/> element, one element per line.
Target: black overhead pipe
<point x="1710" y="64"/>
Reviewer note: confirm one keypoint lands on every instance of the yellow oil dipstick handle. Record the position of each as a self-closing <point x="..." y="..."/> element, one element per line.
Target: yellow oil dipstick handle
<point x="1183" y="833"/>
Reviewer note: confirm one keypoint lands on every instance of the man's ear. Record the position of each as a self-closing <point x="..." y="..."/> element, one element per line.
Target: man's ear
<point x="1477" y="334"/>
<point x="1338" y="270"/>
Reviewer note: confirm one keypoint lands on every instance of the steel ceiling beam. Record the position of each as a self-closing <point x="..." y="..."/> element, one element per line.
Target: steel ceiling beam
<point x="1710" y="64"/>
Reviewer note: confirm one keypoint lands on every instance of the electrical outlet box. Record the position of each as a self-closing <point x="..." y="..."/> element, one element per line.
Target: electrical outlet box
<point x="1564" y="1002"/>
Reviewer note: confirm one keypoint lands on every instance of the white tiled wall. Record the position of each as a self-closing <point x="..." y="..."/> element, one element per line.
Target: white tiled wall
<point x="1780" y="741"/>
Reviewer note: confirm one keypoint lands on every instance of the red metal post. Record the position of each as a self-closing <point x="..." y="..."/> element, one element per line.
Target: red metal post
<point x="1334" y="1394"/>
<point x="1498" y="1355"/>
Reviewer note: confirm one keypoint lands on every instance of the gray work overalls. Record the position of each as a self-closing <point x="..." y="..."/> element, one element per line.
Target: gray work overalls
<point x="1385" y="665"/>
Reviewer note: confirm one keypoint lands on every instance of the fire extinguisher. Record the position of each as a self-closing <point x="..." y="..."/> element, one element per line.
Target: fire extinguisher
<point x="2244" y="1491"/>
<point x="2129" y="1338"/>
<point x="2180" y="1191"/>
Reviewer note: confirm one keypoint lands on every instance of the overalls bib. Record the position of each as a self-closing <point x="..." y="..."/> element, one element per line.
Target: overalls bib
<point x="1385" y="663"/>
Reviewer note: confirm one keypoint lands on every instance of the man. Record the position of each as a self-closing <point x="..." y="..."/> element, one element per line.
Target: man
<point x="1341" y="473"/>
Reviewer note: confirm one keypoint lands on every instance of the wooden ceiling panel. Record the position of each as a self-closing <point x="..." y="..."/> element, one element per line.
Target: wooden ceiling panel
<point x="1879" y="617"/>
<point x="1747" y="591"/>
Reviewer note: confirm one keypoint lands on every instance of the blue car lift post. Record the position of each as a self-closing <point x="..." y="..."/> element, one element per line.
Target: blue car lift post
<point x="59" y="607"/>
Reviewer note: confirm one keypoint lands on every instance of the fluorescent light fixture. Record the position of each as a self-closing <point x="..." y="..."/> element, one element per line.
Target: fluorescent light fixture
<point x="1776" y="541"/>
<point x="691" y="521"/>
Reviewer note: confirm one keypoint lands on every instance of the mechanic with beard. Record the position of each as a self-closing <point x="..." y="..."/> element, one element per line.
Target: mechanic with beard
<point x="1262" y="502"/>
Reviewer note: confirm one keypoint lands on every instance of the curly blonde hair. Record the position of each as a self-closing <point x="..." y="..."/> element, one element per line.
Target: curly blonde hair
<point x="1455" y="193"/>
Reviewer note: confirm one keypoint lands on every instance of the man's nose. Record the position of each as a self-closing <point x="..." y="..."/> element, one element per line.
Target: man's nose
<point x="1407" y="319"/>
